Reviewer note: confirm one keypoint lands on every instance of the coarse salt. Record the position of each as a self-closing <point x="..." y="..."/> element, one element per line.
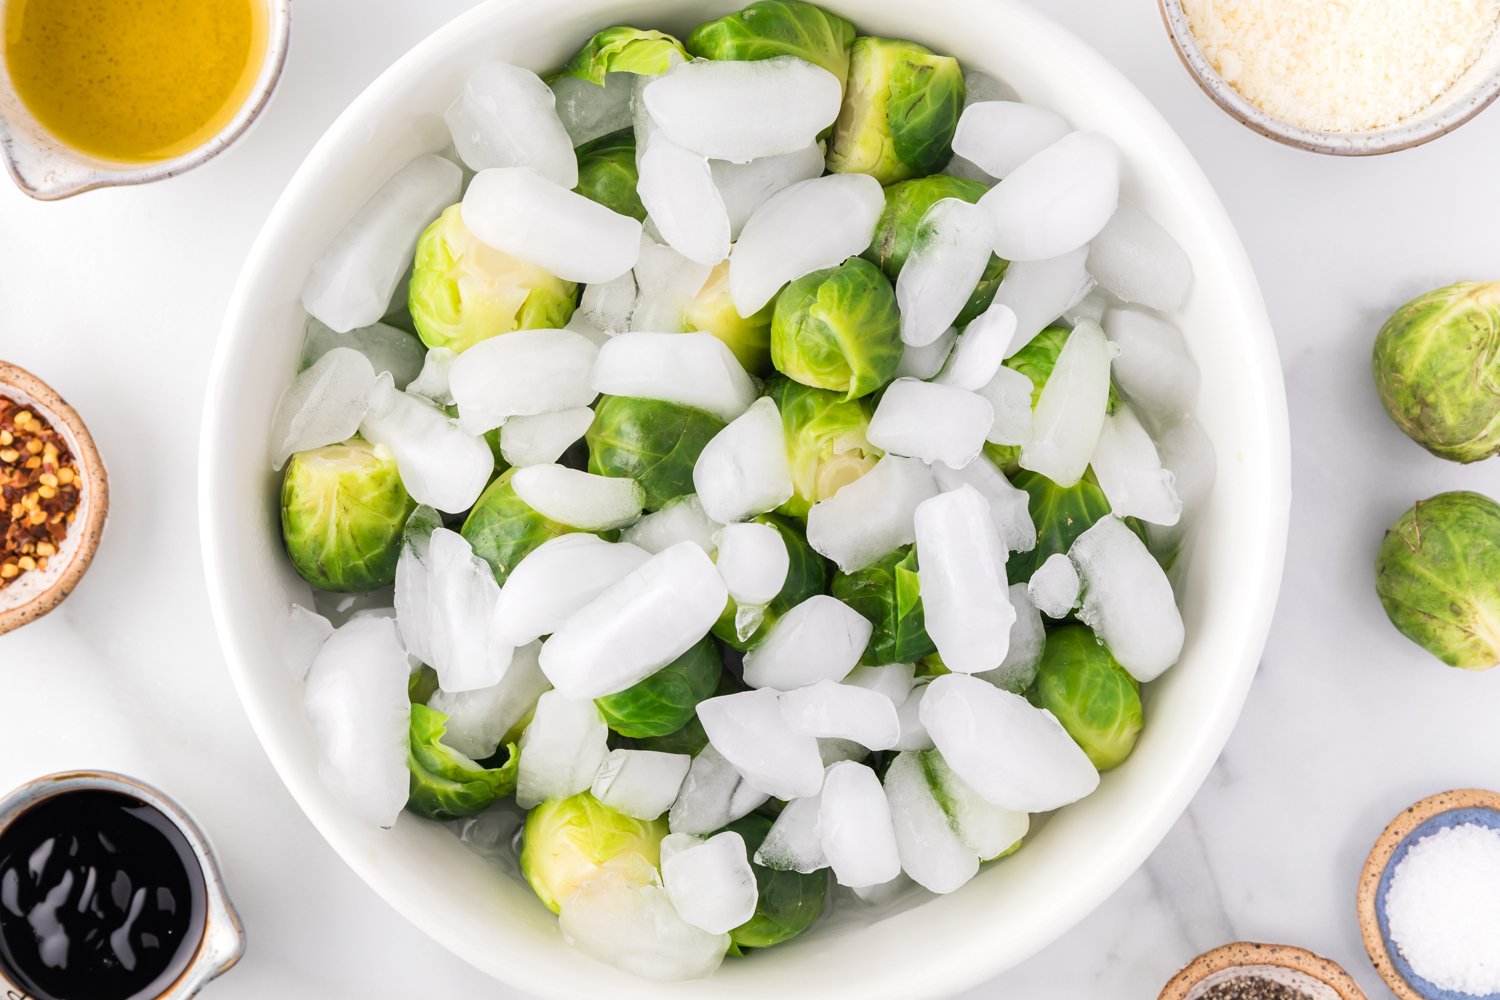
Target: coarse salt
<point x="1342" y="65"/>
<point x="1443" y="909"/>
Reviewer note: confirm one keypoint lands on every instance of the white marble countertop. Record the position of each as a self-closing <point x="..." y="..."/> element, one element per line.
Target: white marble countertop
<point x="115" y="298"/>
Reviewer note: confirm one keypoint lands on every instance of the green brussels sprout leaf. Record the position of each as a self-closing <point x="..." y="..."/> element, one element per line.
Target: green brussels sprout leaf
<point x="888" y="594"/>
<point x="900" y="111"/>
<point x="607" y="173"/>
<point x="667" y="701"/>
<point x="625" y="50"/>
<point x="838" y="329"/>
<point x="789" y="902"/>
<point x="1060" y="514"/>
<point x="654" y="442"/>
<point x="825" y="441"/>
<point x="569" y="841"/>
<point x="1095" y="699"/>
<point x="445" y="784"/>
<point x="503" y="529"/>
<point x="770" y="28"/>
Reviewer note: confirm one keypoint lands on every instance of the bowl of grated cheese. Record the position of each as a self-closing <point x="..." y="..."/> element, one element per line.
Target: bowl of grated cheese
<point x="1345" y="79"/>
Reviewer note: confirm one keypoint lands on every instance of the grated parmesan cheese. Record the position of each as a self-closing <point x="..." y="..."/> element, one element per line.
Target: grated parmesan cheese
<point x="1342" y="65"/>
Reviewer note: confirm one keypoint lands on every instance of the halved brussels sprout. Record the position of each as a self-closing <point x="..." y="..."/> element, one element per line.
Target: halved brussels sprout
<point x="825" y="441"/>
<point x="789" y="902"/>
<point x="1437" y="366"/>
<point x="1095" y="699"/>
<point x="806" y="576"/>
<point x="625" y="50"/>
<point x="463" y="291"/>
<point x="901" y="108"/>
<point x="504" y="529"/>
<point x="770" y="28"/>
<point x="343" y="509"/>
<point x="569" y="841"/>
<point x="888" y="594"/>
<point x="712" y="311"/>
<point x="607" y="173"/>
<point x="445" y="784"/>
<point x="665" y="702"/>
<point x="838" y="329"/>
<point x="1438" y="577"/>
<point x="651" y="441"/>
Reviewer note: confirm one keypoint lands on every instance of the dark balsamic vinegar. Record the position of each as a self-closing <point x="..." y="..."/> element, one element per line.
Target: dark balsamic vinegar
<point x="101" y="898"/>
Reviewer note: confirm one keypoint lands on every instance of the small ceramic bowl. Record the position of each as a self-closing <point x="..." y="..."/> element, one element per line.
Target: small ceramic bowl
<point x="1470" y="94"/>
<point x="1318" y="977"/>
<point x="1420" y="820"/>
<point x="34" y="594"/>
<point x="222" y="941"/>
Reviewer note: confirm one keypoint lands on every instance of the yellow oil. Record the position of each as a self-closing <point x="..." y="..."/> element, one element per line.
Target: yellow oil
<point x="134" y="80"/>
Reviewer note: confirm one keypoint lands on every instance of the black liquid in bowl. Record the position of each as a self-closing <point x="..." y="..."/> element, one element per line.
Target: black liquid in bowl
<point x="101" y="898"/>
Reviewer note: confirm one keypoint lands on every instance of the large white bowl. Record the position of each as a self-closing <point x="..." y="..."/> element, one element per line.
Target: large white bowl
<point x="1228" y="583"/>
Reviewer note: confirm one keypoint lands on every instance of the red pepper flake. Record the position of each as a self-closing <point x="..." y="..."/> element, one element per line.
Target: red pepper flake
<point x="39" y="491"/>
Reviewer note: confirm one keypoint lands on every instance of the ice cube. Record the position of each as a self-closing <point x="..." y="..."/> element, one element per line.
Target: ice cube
<point x="351" y="283"/>
<point x="999" y="136"/>
<point x="831" y="750"/>
<point x="323" y="405"/>
<point x="795" y="841"/>
<point x="681" y="520"/>
<point x="1139" y="261"/>
<point x="872" y="516"/>
<point x="516" y="210"/>
<point x="521" y="373"/>
<point x="1127" y="599"/>
<point x="588" y="110"/>
<point x="677" y="187"/>
<point x="962" y="573"/>
<point x="753" y="561"/>
<point x="820" y="639"/>
<point x="929" y="849"/>
<point x="360" y="714"/>
<point x="1028" y="638"/>
<point x="744" y="469"/>
<point x="432" y="382"/>
<point x="1054" y="586"/>
<point x="741" y="111"/>
<point x="811" y="224"/>
<point x="1009" y="393"/>
<point x="304" y="636"/>
<point x="505" y="116"/>
<point x="440" y="463"/>
<point x="668" y="282"/>
<point x="562" y="749"/>
<point x="858" y="838"/>
<point x="387" y="348"/>
<point x="927" y="361"/>
<point x="710" y="883"/>
<point x="541" y="438"/>
<point x="1092" y="306"/>
<point x="949" y="252"/>
<point x="558" y="579"/>
<point x="746" y="186"/>
<point x="1009" y="505"/>
<point x="637" y="626"/>
<point x="913" y="732"/>
<point x="1185" y="449"/>
<point x="445" y="601"/>
<point x="828" y="709"/>
<point x="977" y="357"/>
<point x="1058" y="200"/>
<point x="1130" y="472"/>
<point x="981" y="86"/>
<point x="894" y="680"/>
<point x="932" y="422"/>
<point x="640" y="783"/>
<point x="1012" y="754"/>
<point x="478" y="720"/>
<point x="607" y="306"/>
<point x="1154" y="368"/>
<point x="1069" y="414"/>
<point x="627" y="920"/>
<point x="1039" y="291"/>
<point x="579" y="499"/>
<point x="983" y="827"/>
<point x="750" y="731"/>
<point x="713" y="795"/>
<point x="694" y="369"/>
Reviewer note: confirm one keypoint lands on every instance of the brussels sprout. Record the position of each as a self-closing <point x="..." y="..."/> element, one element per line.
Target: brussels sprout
<point x="1438" y="577"/>
<point x="343" y="509"/>
<point x="503" y="529"/>
<point x="463" y="291"/>
<point x="1036" y="361"/>
<point x="445" y="784"/>
<point x="665" y="702"/>
<point x="651" y="441"/>
<point x="789" y="902"/>
<point x="1437" y="366"/>
<point x="388" y="348"/>
<point x="771" y="28"/>
<point x="1095" y="699"/>
<point x="625" y="50"/>
<point x="712" y="311"/>
<point x="896" y="231"/>
<point x="838" y="329"/>
<point x="607" y="173"/>
<point x="887" y="593"/>
<point x="806" y="576"/>
<point x="901" y="107"/>
<point x="569" y="841"/>
<point x="825" y="441"/>
<point x="690" y="739"/>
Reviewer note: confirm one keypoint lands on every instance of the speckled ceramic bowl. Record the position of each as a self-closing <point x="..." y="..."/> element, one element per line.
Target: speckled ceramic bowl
<point x="1318" y="977"/>
<point x="34" y="594"/>
<point x="1470" y="94"/>
<point x="1418" y="821"/>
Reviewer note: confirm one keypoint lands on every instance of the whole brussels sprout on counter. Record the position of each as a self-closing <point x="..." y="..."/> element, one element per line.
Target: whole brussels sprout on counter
<point x="623" y="49"/>
<point x="788" y="902"/>
<point x="569" y="841"/>
<point x="343" y="510"/>
<point x="712" y="311"/>
<point x="770" y="28"/>
<point x="901" y="108"/>
<point x="504" y="529"/>
<point x="838" y="329"/>
<point x="463" y="291"/>
<point x="889" y="595"/>
<point x="806" y="576"/>
<point x="607" y="173"/>
<point x="826" y="441"/>
<point x="668" y="700"/>
<point x="651" y="441"/>
<point x="1095" y="699"/>
<point x="445" y="784"/>
<point x="1437" y="366"/>
<point x="1438" y="577"/>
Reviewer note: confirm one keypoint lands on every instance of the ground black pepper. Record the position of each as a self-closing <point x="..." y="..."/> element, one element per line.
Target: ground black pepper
<point x="39" y="491"/>
<point x="1253" y="988"/>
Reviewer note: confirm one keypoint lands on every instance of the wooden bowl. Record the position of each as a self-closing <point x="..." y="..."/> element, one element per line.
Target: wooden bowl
<point x="1319" y="977"/>
<point x="34" y="594"/>
<point x="1414" y="823"/>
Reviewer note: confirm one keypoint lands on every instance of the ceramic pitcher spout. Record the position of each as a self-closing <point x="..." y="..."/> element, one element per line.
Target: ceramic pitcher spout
<point x="42" y="169"/>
